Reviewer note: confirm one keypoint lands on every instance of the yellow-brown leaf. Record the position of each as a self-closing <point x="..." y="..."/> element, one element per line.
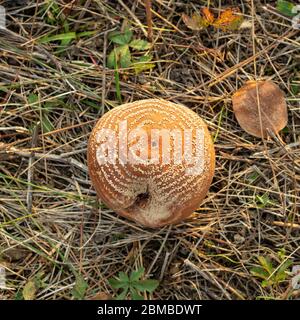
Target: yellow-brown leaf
<point x="208" y="15"/>
<point x="229" y="20"/>
<point x="29" y="290"/>
<point x="195" y="22"/>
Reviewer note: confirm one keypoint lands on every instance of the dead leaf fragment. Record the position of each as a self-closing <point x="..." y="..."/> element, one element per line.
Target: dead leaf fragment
<point x="208" y="15"/>
<point x="101" y="296"/>
<point x="229" y="20"/>
<point x="195" y="22"/>
<point x="260" y="99"/>
<point x="29" y="290"/>
<point x="15" y="254"/>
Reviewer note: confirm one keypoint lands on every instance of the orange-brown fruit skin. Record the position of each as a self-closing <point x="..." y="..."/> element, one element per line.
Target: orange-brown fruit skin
<point x="125" y="194"/>
<point x="273" y="109"/>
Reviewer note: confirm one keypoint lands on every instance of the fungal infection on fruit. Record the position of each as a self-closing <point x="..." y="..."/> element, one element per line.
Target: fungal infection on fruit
<point x="151" y="161"/>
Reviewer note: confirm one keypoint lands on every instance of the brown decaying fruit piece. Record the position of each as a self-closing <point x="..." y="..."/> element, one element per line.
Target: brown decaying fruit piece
<point x="152" y="194"/>
<point x="273" y="109"/>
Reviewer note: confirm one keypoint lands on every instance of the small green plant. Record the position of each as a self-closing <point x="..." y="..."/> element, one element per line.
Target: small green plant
<point x="133" y="284"/>
<point x="252" y="177"/>
<point x="124" y="48"/>
<point x="295" y="85"/>
<point x="57" y="15"/>
<point x="33" y="100"/>
<point x="53" y="15"/>
<point x="286" y="8"/>
<point x="263" y="201"/>
<point x="80" y="287"/>
<point x="270" y="274"/>
<point x="44" y="109"/>
<point x="51" y="12"/>
<point x="31" y="287"/>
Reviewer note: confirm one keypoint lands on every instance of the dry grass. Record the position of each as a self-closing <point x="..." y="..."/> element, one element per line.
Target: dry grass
<point x="51" y="225"/>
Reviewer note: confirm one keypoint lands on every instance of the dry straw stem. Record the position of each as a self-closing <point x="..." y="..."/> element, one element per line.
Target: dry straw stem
<point x="253" y="204"/>
<point x="148" y="4"/>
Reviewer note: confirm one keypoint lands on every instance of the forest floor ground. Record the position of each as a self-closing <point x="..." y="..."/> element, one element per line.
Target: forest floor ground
<point x="57" y="241"/>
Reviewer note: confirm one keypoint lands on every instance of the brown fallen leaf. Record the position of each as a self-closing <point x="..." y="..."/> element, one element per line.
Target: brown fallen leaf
<point x="208" y="15"/>
<point x="229" y="20"/>
<point x="101" y="296"/>
<point x="15" y="254"/>
<point x="257" y="116"/>
<point x="195" y="22"/>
